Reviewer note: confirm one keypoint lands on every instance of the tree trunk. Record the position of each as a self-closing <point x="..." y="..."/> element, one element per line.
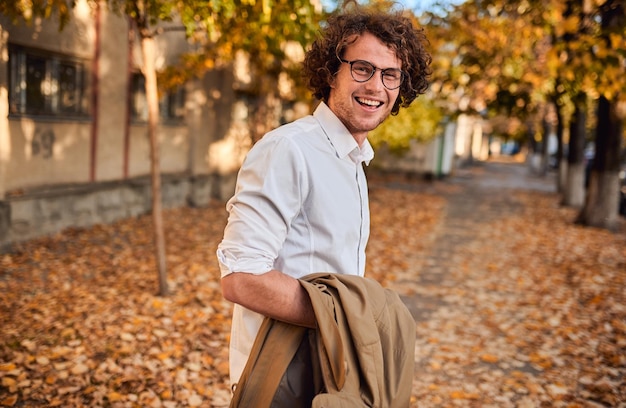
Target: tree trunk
<point x="265" y="115"/>
<point x="545" y="144"/>
<point x="574" y="195"/>
<point x="601" y="204"/>
<point x="149" y="72"/>
<point x="561" y="167"/>
<point x="574" y="192"/>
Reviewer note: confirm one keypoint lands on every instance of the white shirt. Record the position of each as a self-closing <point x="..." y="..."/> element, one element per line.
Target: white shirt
<point x="300" y="207"/>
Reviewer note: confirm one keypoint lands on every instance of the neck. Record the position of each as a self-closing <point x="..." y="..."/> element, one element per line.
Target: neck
<point x="360" y="138"/>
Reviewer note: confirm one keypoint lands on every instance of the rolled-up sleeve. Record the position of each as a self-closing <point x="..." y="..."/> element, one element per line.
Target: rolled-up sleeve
<point x="268" y="196"/>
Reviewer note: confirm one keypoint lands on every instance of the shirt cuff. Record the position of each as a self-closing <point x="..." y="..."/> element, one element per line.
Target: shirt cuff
<point x="230" y="263"/>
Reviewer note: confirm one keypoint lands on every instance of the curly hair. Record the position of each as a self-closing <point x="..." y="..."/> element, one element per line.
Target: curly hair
<point x="394" y="29"/>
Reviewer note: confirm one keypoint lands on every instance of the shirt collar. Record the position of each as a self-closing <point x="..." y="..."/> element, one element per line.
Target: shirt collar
<point x="340" y="137"/>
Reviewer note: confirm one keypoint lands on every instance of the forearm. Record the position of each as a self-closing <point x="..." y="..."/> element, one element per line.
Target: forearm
<point x="271" y="294"/>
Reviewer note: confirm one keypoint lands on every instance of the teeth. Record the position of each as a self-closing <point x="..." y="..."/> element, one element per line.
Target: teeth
<point x="369" y="102"/>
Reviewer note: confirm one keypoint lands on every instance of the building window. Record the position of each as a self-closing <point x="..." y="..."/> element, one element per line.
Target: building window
<point x="171" y="105"/>
<point x="43" y="83"/>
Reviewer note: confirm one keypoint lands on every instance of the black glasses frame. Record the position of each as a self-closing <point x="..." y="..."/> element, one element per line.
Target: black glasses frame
<point x="374" y="69"/>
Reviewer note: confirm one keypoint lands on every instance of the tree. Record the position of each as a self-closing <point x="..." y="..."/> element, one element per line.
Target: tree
<point x="141" y="17"/>
<point x="261" y="29"/>
<point x="420" y="122"/>
<point x="601" y="204"/>
<point x="28" y="11"/>
<point x="571" y="96"/>
<point x="574" y="194"/>
<point x="272" y="36"/>
<point x="491" y="61"/>
<point x="513" y="57"/>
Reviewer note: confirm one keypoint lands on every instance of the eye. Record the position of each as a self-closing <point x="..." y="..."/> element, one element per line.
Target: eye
<point x="392" y="74"/>
<point x="362" y="69"/>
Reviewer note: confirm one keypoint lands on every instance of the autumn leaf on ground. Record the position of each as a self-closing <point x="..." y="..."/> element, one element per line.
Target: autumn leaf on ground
<point x="515" y="304"/>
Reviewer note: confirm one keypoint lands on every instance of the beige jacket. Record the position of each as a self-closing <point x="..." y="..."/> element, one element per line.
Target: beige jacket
<point x="364" y="347"/>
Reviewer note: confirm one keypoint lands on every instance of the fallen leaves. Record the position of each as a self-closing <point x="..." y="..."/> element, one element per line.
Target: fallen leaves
<point x="523" y="308"/>
<point x="529" y="307"/>
<point x="489" y="358"/>
<point x="82" y="326"/>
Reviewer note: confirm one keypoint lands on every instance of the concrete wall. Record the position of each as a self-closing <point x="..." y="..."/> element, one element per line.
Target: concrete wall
<point x="436" y="158"/>
<point x="471" y="142"/>
<point x="47" y="211"/>
<point x="460" y="143"/>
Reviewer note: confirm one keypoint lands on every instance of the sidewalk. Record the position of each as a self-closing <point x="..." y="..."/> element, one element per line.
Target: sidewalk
<point x="483" y="195"/>
<point x="503" y="298"/>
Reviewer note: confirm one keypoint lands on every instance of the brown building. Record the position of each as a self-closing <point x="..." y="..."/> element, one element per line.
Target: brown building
<point x="74" y="149"/>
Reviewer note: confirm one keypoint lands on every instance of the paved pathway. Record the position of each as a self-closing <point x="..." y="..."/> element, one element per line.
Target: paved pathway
<point x="449" y="289"/>
<point x="474" y="195"/>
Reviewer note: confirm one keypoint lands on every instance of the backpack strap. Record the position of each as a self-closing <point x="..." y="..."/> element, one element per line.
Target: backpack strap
<point x="273" y="349"/>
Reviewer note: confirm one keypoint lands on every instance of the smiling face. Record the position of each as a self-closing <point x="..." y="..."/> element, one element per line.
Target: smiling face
<point x="362" y="106"/>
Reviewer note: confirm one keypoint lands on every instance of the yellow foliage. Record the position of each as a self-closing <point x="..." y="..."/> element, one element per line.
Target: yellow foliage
<point x="618" y="42"/>
<point x="570" y="24"/>
<point x="600" y="50"/>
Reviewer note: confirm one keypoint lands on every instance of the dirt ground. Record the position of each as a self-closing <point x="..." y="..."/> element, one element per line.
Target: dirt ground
<point x="515" y="305"/>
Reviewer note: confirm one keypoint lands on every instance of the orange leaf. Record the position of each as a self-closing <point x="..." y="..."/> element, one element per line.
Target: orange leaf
<point x="9" y="401"/>
<point x="464" y="395"/>
<point x="489" y="358"/>
<point x="115" y="396"/>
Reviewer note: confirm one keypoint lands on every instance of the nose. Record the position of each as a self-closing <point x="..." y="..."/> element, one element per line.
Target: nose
<point x="376" y="81"/>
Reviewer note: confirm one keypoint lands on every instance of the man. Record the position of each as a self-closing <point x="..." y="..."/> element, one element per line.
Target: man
<point x="301" y="201"/>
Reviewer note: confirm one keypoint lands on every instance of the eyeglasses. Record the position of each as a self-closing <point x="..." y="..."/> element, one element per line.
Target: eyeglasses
<point x="362" y="71"/>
